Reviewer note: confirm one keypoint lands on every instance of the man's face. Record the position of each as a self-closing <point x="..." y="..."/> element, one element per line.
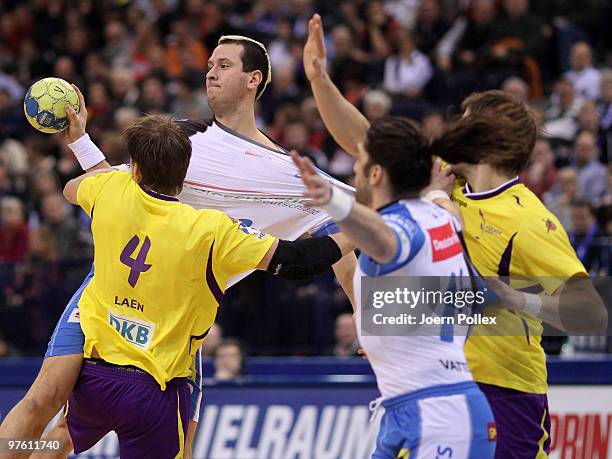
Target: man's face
<point x="228" y="358"/>
<point x="363" y="189"/>
<point x="582" y="219"/>
<point x="586" y="148"/>
<point x="581" y="56"/>
<point x="226" y="82"/>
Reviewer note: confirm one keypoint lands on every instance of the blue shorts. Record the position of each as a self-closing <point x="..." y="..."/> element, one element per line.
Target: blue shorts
<point x="68" y="338"/>
<point x="443" y="422"/>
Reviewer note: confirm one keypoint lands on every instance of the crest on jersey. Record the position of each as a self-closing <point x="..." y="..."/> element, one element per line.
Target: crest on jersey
<point x="550" y="225"/>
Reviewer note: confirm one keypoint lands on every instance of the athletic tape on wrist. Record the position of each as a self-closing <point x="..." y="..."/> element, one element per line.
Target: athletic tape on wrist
<point x="533" y="303"/>
<point x="340" y="205"/>
<point x="87" y="153"/>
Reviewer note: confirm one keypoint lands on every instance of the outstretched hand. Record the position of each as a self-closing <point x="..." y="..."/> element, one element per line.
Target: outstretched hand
<point x="77" y="121"/>
<point x="319" y="189"/>
<point x="315" y="54"/>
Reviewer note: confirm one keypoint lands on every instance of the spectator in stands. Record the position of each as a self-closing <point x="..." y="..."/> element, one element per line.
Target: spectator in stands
<point x="584" y="237"/>
<point x="153" y="98"/>
<point x="296" y="138"/>
<point x="592" y="175"/>
<point x="517" y="87"/>
<point x="229" y="360"/>
<point x="66" y="231"/>
<point x="348" y="65"/>
<point x="605" y="104"/>
<point x="541" y="172"/>
<point x="559" y="201"/>
<point x="376" y="104"/>
<point x="408" y="71"/>
<point x="184" y="52"/>
<point x="585" y="78"/>
<point x="431" y="27"/>
<point x="123" y="87"/>
<point x="346" y="337"/>
<point x="473" y="44"/>
<point x="14" y="231"/>
<point x="518" y="42"/>
<point x="283" y="90"/>
<point x="316" y="130"/>
<point x="588" y="120"/>
<point x="118" y="46"/>
<point x="560" y="117"/>
<point x="12" y="122"/>
<point x="212" y="340"/>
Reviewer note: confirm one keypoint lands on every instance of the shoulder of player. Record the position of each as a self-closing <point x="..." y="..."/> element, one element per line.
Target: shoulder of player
<point x="399" y="217"/>
<point x="191" y="127"/>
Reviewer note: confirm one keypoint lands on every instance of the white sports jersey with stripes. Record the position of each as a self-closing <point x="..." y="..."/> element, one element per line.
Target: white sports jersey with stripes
<point x="433" y="409"/>
<point x="248" y="181"/>
<point x="428" y="246"/>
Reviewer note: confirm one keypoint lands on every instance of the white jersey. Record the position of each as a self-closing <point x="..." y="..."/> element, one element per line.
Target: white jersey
<point x="428" y="245"/>
<point x="250" y="182"/>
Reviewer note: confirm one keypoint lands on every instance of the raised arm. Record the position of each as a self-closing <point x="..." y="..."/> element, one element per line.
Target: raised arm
<point x="90" y="157"/>
<point x="360" y="224"/>
<point x="345" y="123"/>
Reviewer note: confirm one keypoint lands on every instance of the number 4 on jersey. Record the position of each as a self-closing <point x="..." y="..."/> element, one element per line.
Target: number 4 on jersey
<point x="138" y="264"/>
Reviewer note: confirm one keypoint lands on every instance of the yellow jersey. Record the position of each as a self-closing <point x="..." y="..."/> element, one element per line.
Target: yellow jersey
<point x="161" y="268"/>
<point x="509" y="232"/>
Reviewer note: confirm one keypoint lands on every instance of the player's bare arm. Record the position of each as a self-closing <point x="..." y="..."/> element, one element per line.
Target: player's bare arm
<point x="345" y="123"/>
<point x="76" y="130"/>
<point x="362" y="225"/>
<point x="575" y="307"/>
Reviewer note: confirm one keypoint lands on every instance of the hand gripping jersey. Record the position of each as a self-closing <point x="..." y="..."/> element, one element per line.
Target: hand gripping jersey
<point x="509" y="232"/>
<point x="428" y="245"/>
<point x="248" y="181"/>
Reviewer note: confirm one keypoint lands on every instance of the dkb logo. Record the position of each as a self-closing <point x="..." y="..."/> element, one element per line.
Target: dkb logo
<point x="133" y="331"/>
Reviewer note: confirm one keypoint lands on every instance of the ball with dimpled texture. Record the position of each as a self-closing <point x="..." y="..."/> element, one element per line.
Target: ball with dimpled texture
<point x="45" y="102"/>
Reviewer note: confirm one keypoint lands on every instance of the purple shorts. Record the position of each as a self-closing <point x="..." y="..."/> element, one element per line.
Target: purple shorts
<point x="522" y="421"/>
<point x="149" y="422"/>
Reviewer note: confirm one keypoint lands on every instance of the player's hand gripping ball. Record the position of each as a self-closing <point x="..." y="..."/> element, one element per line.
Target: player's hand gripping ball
<point x="45" y="102"/>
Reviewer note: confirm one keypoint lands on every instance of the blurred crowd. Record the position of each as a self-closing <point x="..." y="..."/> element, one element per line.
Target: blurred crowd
<point x="417" y="58"/>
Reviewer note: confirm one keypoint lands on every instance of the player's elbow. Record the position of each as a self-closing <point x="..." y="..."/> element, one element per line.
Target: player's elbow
<point x="587" y="316"/>
<point x="70" y="191"/>
<point x="597" y="316"/>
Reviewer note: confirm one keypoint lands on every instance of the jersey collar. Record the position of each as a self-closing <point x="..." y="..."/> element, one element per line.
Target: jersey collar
<point x="229" y="130"/>
<point x="155" y="194"/>
<point x="490" y="193"/>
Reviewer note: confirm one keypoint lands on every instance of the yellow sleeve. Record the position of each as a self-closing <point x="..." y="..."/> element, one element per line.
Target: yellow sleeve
<point x="89" y="189"/>
<point x="545" y="252"/>
<point x="238" y="248"/>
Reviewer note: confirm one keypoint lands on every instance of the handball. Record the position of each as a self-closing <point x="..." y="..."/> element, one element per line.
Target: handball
<point x="45" y="104"/>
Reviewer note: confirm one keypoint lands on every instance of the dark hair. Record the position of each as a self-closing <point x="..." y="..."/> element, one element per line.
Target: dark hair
<point x="254" y="57"/>
<point x="499" y="129"/>
<point x="162" y="150"/>
<point x="584" y="204"/>
<point x="399" y="146"/>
